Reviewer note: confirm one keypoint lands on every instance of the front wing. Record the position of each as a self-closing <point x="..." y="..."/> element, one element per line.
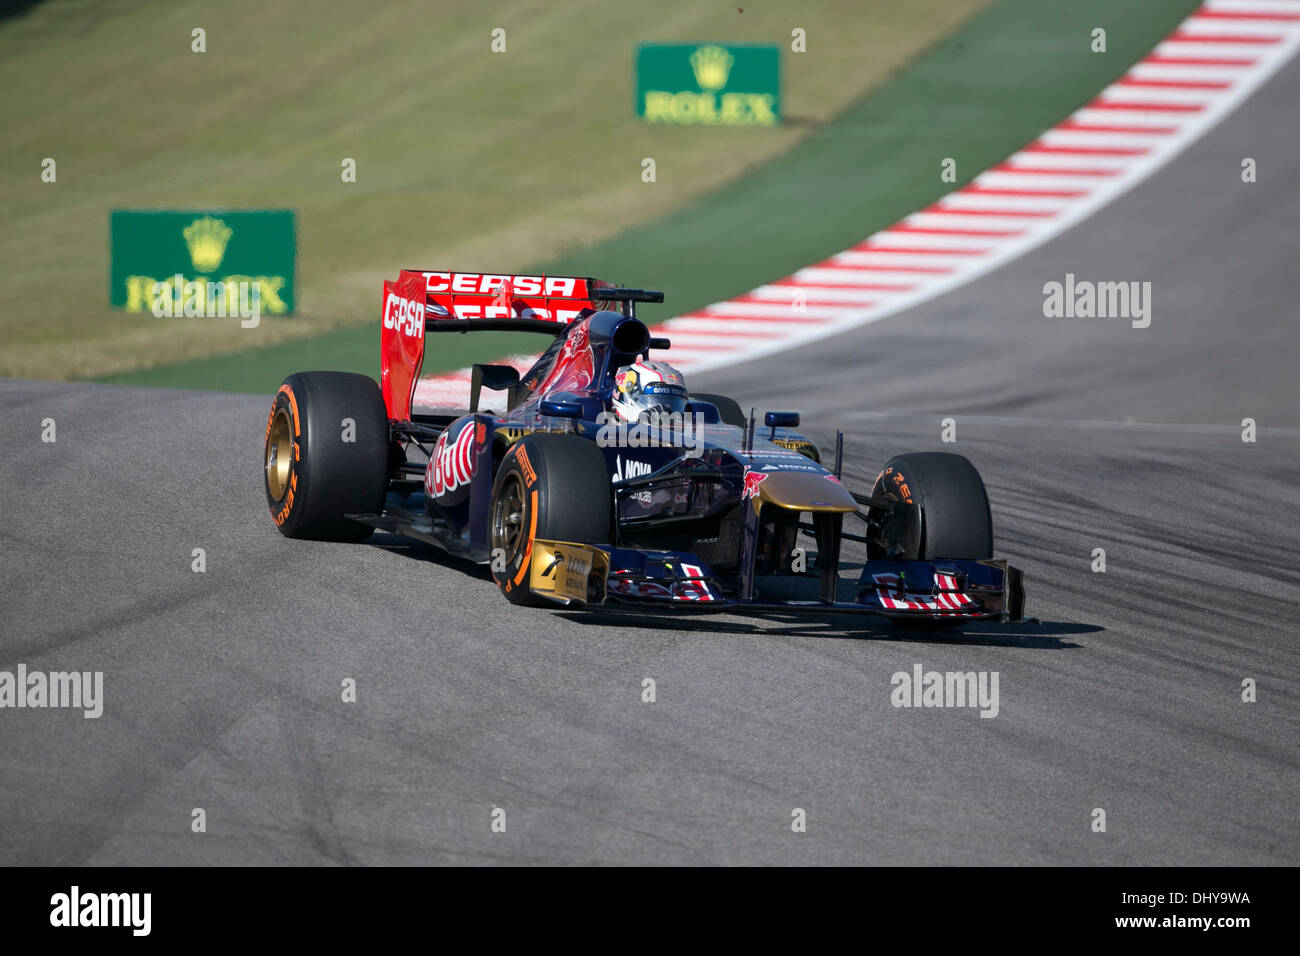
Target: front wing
<point x="589" y="575"/>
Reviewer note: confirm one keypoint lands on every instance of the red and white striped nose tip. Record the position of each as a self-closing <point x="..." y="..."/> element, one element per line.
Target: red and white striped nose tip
<point x="946" y="601"/>
<point x="1194" y="77"/>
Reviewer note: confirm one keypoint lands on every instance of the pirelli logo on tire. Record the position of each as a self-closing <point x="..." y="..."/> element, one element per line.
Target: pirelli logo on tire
<point x="569" y="572"/>
<point x="526" y="466"/>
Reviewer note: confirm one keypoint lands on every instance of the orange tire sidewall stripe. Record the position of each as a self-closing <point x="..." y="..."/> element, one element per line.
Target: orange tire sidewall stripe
<point x="532" y="533"/>
<point x="287" y="508"/>
<point x="293" y="405"/>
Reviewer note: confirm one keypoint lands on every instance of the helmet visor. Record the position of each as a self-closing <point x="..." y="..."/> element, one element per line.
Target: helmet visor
<point x="660" y="398"/>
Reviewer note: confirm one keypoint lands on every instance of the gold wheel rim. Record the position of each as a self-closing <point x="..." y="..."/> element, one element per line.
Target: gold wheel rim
<point x="507" y="520"/>
<point x="279" y="454"/>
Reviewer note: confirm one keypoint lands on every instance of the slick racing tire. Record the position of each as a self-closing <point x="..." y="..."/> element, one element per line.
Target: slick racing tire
<point x="553" y="487"/>
<point x="941" y="511"/>
<point x="326" y="455"/>
<point x="728" y="408"/>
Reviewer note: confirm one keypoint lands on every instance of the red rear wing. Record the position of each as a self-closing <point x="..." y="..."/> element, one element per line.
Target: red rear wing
<point x="465" y="296"/>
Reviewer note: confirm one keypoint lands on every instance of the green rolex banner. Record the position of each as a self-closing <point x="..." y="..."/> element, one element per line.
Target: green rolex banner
<point x="216" y="253"/>
<point x="709" y="84"/>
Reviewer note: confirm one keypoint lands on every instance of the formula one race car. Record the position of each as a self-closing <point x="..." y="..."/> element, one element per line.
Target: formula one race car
<point x="595" y="478"/>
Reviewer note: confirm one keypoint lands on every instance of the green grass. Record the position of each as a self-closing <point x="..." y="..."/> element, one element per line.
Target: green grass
<point x="465" y="157"/>
<point x="1011" y="72"/>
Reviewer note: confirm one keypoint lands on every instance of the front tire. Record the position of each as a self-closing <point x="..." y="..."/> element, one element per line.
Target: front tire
<point x="326" y="455"/>
<point x="553" y="487"/>
<point x="941" y="511"/>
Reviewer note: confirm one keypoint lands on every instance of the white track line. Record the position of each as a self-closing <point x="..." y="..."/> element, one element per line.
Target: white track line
<point x="1193" y="78"/>
<point x="1074" y="423"/>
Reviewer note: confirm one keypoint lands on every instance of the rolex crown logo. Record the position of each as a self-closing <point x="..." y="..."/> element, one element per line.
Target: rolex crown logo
<point x="207" y="238"/>
<point x="711" y="64"/>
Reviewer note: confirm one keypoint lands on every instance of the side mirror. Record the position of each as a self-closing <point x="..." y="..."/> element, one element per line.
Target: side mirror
<point x="775" y="420"/>
<point x="781" y="419"/>
<point x="554" y="409"/>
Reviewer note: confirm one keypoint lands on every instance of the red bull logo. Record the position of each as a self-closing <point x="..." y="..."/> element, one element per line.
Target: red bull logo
<point x="451" y="465"/>
<point x="576" y="341"/>
<point x="574" y="368"/>
<point x="752" y="480"/>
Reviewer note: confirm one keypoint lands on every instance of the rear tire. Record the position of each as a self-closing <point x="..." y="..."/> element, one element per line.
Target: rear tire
<point x="326" y="455"/>
<point x="553" y="487"/>
<point x="729" y="409"/>
<point x="942" y="512"/>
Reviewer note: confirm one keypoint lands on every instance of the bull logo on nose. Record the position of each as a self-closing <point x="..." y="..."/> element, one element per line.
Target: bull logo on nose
<point x="752" y="480"/>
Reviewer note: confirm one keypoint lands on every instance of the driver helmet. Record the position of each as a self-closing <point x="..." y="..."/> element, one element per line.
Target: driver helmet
<point x="645" y="389"/>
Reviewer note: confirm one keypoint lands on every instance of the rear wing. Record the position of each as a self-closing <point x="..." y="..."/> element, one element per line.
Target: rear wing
<point x="422" y="301"/>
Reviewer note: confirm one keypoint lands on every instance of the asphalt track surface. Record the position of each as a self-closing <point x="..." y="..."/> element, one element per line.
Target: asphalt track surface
<point x="222" y="689"/>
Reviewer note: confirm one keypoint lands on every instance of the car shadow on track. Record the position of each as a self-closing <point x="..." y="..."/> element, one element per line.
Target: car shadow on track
<point x="422" y="551"/>
<point x="1032" y="635"/>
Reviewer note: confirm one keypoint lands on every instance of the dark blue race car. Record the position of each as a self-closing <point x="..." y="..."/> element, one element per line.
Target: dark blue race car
<point x="593" y="477"/>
